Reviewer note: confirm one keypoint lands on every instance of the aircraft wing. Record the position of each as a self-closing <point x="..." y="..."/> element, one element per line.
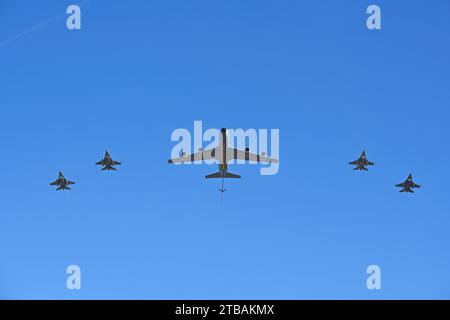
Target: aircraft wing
<point x="100" y="163"/>
<point x="400" y="185"/>
<point x="198" y="156"/>
<point x="54" y="183"/>
<point x="117" y="163"/>
<point x="70" y="182"/>
<point x="248" y="156"/>
<point x="370" y="163"/>
<point x="417" y="185"/>
<point x="353" y="162"/>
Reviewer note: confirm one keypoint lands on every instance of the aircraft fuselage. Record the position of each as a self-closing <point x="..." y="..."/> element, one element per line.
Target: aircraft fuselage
<point x="222" y="151"/>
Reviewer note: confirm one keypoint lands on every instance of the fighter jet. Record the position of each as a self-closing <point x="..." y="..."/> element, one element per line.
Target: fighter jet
<point x="108" y="163"/>
<point x="362" y="163"/>
<point x="408" y="185"/>
<point x="62" y="183"/>
<point x="223" y="153"/>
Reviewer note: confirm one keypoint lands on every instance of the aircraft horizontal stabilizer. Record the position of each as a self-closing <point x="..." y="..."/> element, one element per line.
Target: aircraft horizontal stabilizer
<point x="225" y="175"/>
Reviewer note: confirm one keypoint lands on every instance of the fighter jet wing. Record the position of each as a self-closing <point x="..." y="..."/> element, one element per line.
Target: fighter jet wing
<point x="354" y="162"/>
<point x="417" y="186"/>
<point x="116" y="163"/>
<point x="400" y="185"/>
<point x="100" y="163"/>
<point x="54" y="183"/>
<point x="70" y="182"/>
<point x="201" y="155"/>
<point x="248" y="156"/>
<point x="370" y="163"/>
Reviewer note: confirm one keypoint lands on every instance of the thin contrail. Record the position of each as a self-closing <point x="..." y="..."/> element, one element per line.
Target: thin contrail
<point x="37" y="27"/>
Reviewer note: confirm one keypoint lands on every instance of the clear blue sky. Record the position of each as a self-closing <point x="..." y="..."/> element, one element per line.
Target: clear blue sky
<point x="139" y="69"/>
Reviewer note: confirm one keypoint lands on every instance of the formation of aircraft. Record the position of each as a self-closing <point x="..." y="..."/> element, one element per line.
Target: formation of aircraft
<point x="63" y="184"/>
<point x="361" y="164"/>
<point x="223" y="154"/>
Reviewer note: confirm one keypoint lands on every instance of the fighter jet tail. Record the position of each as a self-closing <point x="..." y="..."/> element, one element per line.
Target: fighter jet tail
<point x="109" y="168"/>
